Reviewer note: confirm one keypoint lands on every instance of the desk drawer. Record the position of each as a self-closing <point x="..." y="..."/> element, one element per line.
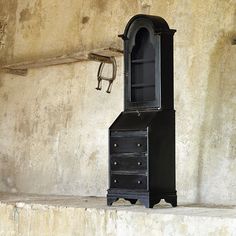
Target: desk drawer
<point x="128" y="162"/>
<point x="128" y="144"/>
<point x="128" y="181"/>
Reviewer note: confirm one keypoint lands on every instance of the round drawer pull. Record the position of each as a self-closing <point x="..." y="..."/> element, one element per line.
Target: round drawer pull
<point x="139" y="181"/>
<point x="115" y="181"/>
<point x="115" y="145"/>
<point x="115" y="163"/>
<point x="139" y="145"/>
<point x="139" y="163"/>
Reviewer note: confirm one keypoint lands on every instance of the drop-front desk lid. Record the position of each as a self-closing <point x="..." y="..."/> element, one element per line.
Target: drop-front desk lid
<point x="133" y="120"/>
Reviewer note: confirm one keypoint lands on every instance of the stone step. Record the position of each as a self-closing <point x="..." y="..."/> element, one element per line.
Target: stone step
<point x="84" y="216"/>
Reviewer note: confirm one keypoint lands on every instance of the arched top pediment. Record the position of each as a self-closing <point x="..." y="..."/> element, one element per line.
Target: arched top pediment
<point x="154" y="23"/>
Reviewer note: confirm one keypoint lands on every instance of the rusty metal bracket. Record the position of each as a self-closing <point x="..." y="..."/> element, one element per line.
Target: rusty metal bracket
<point x="103" y="60"/>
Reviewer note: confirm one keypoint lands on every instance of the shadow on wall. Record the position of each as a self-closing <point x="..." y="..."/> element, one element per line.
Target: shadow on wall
<point x="217" y="134"/>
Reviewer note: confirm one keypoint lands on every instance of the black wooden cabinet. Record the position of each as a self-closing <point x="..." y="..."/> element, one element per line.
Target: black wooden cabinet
<point x="142" y="138"/>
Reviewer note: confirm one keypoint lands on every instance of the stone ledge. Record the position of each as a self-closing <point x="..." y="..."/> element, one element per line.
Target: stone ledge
<point x="70" y="215"/>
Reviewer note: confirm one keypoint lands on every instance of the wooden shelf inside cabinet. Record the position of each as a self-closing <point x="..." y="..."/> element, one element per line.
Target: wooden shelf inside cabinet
<point x="142" y="85"/>
<point x="142" y="61"/>
<point x="101" y="54"/>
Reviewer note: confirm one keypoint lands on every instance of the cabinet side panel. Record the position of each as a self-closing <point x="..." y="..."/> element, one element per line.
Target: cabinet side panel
<point x="167" y="83"/>
<point x="162" y="152"/>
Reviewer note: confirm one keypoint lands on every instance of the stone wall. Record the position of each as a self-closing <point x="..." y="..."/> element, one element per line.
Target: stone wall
<point x="54" y="124"/>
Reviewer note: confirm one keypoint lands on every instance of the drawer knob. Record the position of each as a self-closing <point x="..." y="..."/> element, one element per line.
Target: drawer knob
<point x="139" y="181"/>
<point x="115" y="163"/>
<point x="115" y="181"/>
<point x="115" y="145"/>
<point x="139" y="145"/>
<point x="139" y="163"/>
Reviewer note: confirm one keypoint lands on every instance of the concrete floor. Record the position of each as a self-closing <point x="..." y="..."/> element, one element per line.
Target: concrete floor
<point x="71" y="215"/>
<point x="21" y="200"/>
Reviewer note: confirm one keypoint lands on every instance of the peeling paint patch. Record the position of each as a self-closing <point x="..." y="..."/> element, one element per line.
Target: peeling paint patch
<point x="85" y="19"/>
<point x="52" y="129"/>
<point x="31" y="20"/>
<point x="102" y="5"/>
<point x="25" y="15"/>
<point x="145" y="6"/>
<point x="5" y="97"/>
<point x="24" y="128"/>
<point x="3" y="32"/>
<point x="8" y="173"/>
<point x="7" y="15"/>
<point x="93" y="156"/>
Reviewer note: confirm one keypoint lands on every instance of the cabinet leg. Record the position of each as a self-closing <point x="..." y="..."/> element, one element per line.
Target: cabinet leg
<point x="111" y="200"/>
<point x="172" y="200"/>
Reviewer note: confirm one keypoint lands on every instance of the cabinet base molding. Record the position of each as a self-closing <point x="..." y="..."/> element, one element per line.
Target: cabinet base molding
<point x="148" y="199"/>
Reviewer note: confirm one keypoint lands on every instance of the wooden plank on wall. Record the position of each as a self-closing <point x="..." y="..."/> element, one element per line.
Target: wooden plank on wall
<point x="21" y="68"/>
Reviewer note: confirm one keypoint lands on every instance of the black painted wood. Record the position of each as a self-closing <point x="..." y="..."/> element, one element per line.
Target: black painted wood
<point x="128" y="144"/>
<point x="132" y="201"/>
<point x="128" y="181"/>
<point x="128" y="162"/>
<point x="142" y="138"/>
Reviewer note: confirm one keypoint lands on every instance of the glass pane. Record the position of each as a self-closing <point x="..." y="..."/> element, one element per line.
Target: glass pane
<point x="142" y="68"/>
<point x="143" y="73"/>
<point x="142" y="94"/>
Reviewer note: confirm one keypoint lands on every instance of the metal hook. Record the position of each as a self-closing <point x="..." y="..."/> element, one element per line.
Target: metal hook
<point x="111" y="79"/>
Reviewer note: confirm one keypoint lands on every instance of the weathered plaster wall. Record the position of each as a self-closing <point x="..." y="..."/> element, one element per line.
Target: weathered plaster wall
<point x="53" y="123"/>
<point x="54" y="130"/>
